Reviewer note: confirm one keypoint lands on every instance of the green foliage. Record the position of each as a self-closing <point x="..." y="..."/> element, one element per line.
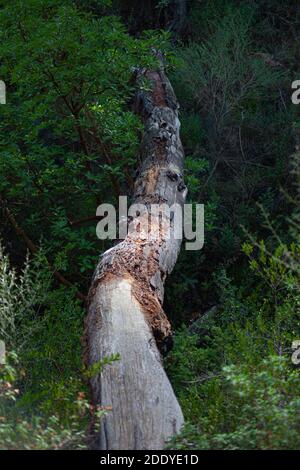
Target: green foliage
<point x="54" y="364"/>
<point x="67" y="137"/>
<point x="238" y="125"/>
<point x="69" y="141"/>
<point x="44" y="403"/>
<point x="234" y="378"/>
<point x="97" y="367"/>
<point x="249" y="408"/>
<point x="18" y="431"/>
<point x="44" y="329"/>
<point x="21" y="298"/>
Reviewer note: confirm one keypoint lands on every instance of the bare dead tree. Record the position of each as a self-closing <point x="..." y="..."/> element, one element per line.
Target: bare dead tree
<point x="125" y="313"/>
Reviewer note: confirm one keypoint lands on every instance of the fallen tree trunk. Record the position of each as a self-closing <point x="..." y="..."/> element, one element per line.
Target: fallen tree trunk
<point x="125" y="313"/>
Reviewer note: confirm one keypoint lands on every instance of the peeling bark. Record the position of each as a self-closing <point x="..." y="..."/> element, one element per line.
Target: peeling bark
<point x="125" y="313"/>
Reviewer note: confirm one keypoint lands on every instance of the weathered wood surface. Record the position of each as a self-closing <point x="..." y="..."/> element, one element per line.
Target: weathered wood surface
<point x="125" y="313"/>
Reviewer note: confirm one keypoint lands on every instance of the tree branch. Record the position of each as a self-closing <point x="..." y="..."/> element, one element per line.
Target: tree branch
<point x="33" y="248"/>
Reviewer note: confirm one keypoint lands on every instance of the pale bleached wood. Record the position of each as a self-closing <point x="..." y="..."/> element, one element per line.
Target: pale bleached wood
<point x="145" y="411"/>
<point x="125" y="313"/>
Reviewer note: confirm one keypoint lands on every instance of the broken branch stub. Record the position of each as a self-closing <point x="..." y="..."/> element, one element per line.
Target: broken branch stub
<point x="125" y="313"/>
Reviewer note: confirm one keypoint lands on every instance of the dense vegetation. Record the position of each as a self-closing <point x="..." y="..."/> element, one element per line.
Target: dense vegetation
<point x="69" y="140"/>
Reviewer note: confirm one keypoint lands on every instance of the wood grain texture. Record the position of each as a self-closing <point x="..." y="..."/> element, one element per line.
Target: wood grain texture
<point x="125" y="313"/>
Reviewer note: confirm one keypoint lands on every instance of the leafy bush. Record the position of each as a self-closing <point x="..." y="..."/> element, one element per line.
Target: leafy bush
<point x="44" y="403"/>
<point x="248" y="408"/>
<point x="234" y="377"/>
<point x="22" y="296"/>
<point x="68" y="138"/>
<point x="239" y="130"/>
<point x="37" y="432"/>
